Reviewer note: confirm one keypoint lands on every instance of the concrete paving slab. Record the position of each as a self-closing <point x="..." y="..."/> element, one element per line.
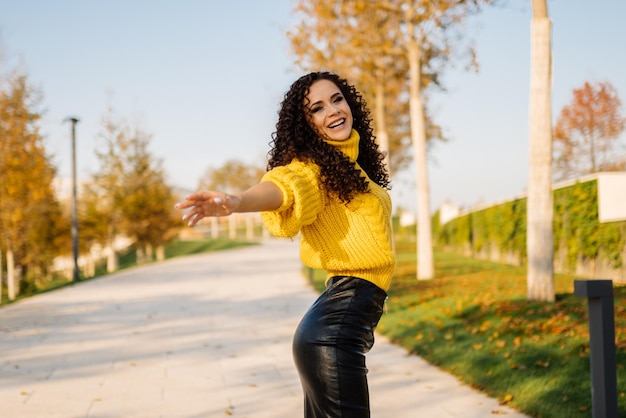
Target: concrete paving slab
<point x="203" y="336"/>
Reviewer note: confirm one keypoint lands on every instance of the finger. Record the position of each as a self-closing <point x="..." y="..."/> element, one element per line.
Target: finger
<point x="191" y="209"/>
<point x="198" y="196"/>
<point x="183" y="205"/>
<point x="195" y="219"/>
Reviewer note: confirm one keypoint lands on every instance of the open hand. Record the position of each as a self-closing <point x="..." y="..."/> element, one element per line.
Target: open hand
<point x="203" y="204"/>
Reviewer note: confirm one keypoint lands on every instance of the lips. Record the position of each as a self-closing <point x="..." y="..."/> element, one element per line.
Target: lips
<point x="337" y="124"/>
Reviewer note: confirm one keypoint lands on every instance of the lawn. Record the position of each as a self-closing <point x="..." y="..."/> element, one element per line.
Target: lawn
<point x="473" y="320"/>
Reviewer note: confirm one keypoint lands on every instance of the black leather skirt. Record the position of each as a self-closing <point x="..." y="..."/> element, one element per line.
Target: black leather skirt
<point x="329" y="348"/>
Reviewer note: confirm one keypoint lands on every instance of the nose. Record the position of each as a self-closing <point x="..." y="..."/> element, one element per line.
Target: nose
<point x="334" y="109"/>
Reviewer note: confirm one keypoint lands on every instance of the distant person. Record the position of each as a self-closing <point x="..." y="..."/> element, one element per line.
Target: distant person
<point x="326" y="179"/>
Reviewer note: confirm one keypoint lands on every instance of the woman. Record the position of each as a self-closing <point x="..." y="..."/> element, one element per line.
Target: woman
<point x="326" y="179"/>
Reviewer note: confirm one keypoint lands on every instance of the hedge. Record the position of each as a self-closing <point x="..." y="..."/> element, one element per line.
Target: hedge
<point x="581" y="242"/>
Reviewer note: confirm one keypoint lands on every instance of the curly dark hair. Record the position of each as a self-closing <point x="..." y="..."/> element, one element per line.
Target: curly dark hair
<point x="295" y="138"/>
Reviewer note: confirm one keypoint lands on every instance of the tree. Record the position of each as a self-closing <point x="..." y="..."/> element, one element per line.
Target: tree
<point x="587" y="132"/>
<point x="232" y="177"/>
<point x="432" y="39"/>
<point x="366" y="49"/>
<point x="106" y="185"/>
<point x="92" y="220"/>
<point x="29" y="210"/>
<point x="128" y="195"/>
<point x="539" y="234"/>
<point x="148" y="211"/>
<point x="421" y="37"/>
<point x="359" y="48"/>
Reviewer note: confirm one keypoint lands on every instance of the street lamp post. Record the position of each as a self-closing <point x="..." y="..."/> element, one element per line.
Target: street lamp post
<point x="76" y="274"/>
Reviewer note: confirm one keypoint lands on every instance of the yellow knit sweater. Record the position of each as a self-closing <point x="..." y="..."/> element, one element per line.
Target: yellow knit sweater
<point x="353" y="239"/>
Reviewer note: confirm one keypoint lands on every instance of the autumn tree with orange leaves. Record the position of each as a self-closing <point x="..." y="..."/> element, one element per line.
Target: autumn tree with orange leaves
<point x="392" y="49"/>
<point x="587" y="132"/>
<point x="31" y="221"/>
<point x="360" y="41"/>
<point x="128" y="195"/>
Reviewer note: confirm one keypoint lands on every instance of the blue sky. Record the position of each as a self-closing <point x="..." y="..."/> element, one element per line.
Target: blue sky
<point x="205" y="78"/>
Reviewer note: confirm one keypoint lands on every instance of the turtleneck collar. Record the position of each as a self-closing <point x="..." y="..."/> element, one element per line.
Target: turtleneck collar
<point x="350" y="146"/>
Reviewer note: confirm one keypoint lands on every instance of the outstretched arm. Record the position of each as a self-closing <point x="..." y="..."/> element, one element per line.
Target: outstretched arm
<point x="264" y="196"/>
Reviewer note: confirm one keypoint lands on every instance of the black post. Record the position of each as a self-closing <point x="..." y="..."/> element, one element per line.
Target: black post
<point x="601" y="345"/>
<point x="76" y="274"/>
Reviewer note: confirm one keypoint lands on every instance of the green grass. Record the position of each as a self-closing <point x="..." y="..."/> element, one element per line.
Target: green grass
<point x="181" y="248"/>
<point x="473" y="320"/>
<point x="128" y="259"/>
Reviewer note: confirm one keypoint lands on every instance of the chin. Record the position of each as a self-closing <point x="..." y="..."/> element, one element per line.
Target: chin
<point x="340" y="136"/>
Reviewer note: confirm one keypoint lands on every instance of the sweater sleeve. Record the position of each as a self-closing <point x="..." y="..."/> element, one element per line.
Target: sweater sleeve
<point x="302" y="198"/>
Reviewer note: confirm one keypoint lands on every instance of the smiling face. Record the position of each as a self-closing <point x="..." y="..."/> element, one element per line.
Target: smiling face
<point x="328" y="111"/>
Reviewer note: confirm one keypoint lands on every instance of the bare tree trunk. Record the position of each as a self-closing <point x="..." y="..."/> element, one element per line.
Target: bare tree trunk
<point x="160" y="252"/>
<point x="382" y="135"/>
<point x="1" y="275"/>
<point x="112" y="260"/>
<point x="250" y="226"/>
<point x="592" y="153"/>
<point x="425" y="262"/>
<point x="232" y="227"/>
<point x="539" y="236"/>
<point x="11" y="279"/>
<point x="140" y="254"/>
<point x="149" y="253"/>
<point x="215" y="228"/>
<point x="112" y="256"/>
<point x="90" y="266"/>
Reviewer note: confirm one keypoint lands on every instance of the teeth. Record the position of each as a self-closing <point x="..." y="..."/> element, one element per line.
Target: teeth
<point x="337" y="124"/>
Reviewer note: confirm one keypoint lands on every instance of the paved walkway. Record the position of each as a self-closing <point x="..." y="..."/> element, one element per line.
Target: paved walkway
<point x="196" y="337"/>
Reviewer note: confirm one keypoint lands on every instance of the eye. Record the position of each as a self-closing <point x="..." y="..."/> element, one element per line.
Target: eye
<point x="338" y="99"/>
<point x="316" y="109"/>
